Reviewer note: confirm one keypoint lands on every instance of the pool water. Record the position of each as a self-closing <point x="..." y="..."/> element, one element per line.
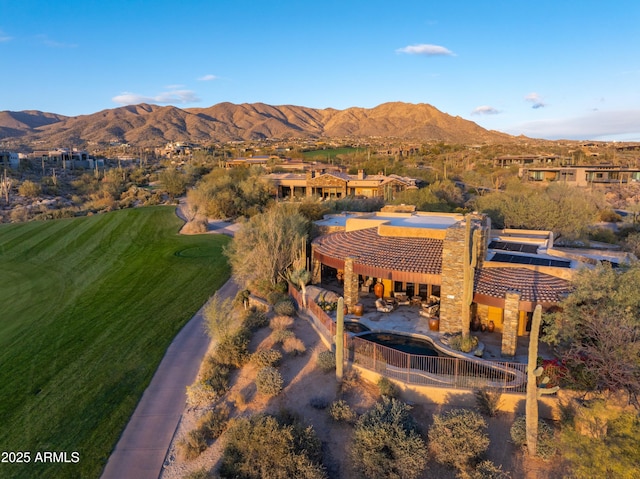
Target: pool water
<point x="401" y="342"/>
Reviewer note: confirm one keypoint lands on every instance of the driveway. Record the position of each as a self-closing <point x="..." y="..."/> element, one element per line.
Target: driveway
<point x="142" y="447"/>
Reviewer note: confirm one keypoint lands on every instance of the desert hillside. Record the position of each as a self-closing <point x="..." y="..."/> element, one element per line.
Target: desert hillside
<point x="152" y="125"/>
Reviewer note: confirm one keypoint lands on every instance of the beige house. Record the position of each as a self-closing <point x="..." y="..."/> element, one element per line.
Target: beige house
<point x="335" y="184"/>
<point x="422" y="256"/>
<point x="581" y="175"/>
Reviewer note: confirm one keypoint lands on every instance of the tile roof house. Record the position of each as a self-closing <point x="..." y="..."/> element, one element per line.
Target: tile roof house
<point x="337" y="184"/>
<point x="422" y="255"/>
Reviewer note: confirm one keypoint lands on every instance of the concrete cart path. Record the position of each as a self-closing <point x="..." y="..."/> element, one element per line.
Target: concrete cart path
<point x="142" y="448"/>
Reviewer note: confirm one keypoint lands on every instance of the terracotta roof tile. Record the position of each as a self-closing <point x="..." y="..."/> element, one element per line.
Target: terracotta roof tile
<point x="418" y="255"/>
<point x="533" y="286"/>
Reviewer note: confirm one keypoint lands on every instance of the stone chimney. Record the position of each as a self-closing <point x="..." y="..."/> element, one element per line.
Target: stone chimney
<point x="361" y="174"/>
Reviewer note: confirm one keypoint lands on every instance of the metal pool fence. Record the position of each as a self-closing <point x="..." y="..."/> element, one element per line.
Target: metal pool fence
<point x="421" y="370"/>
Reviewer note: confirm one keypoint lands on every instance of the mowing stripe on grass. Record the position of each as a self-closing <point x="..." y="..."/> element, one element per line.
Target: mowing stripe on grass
<point x="87" y="309"/>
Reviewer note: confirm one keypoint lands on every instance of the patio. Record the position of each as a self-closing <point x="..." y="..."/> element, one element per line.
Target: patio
<point x="407" y="319"/>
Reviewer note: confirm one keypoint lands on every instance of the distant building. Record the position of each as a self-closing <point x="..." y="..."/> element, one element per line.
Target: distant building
<point x="333" y="184"/>
<point x="581" y="175"/>
<point x="9" y="159"/>
<point x="65" y="158"/>
<point x="508" y="160"/>
<point x="248" y="162"/>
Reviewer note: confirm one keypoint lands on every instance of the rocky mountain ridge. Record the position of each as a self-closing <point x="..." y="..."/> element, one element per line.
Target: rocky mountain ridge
<point x="152" y="125"/>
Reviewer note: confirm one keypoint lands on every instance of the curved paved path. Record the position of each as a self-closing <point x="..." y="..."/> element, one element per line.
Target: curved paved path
<point x="142" y="447"/>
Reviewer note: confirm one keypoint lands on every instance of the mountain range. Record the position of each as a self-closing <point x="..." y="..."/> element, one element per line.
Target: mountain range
<point x="151" y="125"/>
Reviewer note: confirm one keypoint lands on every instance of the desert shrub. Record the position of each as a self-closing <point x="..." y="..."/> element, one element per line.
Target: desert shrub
<point x="487" y="401"/>
<point x="260" y="447"/>
<point x="609" y="216"/>
<point x="319" y="402"/>
<point x="214" y="422"/>
<point x="459" y="430"/>
<point x="387" y="388"/>
<point x="192" y="444"/>
<point x="218" y="315"/>
<point x="603" y="235"/>
<point x="266" y="357"/>
<point x="195" y="226"/>
<point x="567" y="412"/>
<point x="269" y="381"/>
<point x="238" y="398"/>
<point x="340" y="411"/>
<point x="215" y="375"/>
<point x="293" y="346"/>
<point x="546" y="447"/>
<point x="465" y="345"/>
<point x="610" y="453"/>
<point x="281" y="335"/>
<point x="254" y="320"/>
<point x="350" y="380"/>
<point x="201" y="473"/>
<point x="386" y="442"/>
<point x="233" y="349"/>
<point x="29" y="189"/>
<point x="19" y="214"/>
<point x="326" y="361"/>
<point x="285" y="307"/>
<point x="281" y="322"/>
<point x="201" y="394"/>
<point x="274" y="297"/>
<point x="488" y="470"/>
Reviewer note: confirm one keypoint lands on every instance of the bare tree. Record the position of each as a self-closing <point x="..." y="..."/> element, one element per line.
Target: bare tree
<point x="267" y="244"/>
<point x="598" y="330"/>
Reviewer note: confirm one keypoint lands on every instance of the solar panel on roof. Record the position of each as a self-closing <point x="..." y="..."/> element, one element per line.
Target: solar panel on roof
<point x="512" y="258"/>
<point x="516" y="247"/>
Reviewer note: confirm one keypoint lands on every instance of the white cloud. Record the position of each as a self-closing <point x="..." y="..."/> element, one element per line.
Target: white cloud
<point x="536" y="99"/>
<point x="425" y="49"/>
<point x="485" y="110"/>
<point x="167" y="97"/>
<point x="4" y="37"/>
<point x="208" y="78"/>
<point x="53" y="43"/>
<point x="595" y="125"/>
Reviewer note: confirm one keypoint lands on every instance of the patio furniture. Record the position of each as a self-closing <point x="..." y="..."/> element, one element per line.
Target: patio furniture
<point x="430" y="311"/>
<point x="382" y="306"/>
<point x="402" y="298"/>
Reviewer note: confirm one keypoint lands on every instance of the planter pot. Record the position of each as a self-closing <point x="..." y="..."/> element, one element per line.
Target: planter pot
<point x="378" y="290"/>
<point x="475" y="324"/>
<point x="434" y="324"/>
<point x="491" y="327"/>
<point x="358" y="309"/>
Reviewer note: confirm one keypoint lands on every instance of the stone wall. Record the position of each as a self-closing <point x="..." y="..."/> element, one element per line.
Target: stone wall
<point x="510" y="324"/>
<point x="451" y="292"/>
<point x="351" y="294"/>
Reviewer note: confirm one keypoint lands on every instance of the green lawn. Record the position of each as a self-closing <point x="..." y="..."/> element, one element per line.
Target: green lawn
<point x="88" y="307"/>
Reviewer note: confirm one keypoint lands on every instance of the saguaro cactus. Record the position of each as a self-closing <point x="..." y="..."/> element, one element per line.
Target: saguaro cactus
<point x="5" y="187"/>
<point x="533" y="391"/>
<point x="340" y="340"/>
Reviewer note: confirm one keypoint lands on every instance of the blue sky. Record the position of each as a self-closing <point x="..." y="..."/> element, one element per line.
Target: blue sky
<point x="545" y="69"/>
